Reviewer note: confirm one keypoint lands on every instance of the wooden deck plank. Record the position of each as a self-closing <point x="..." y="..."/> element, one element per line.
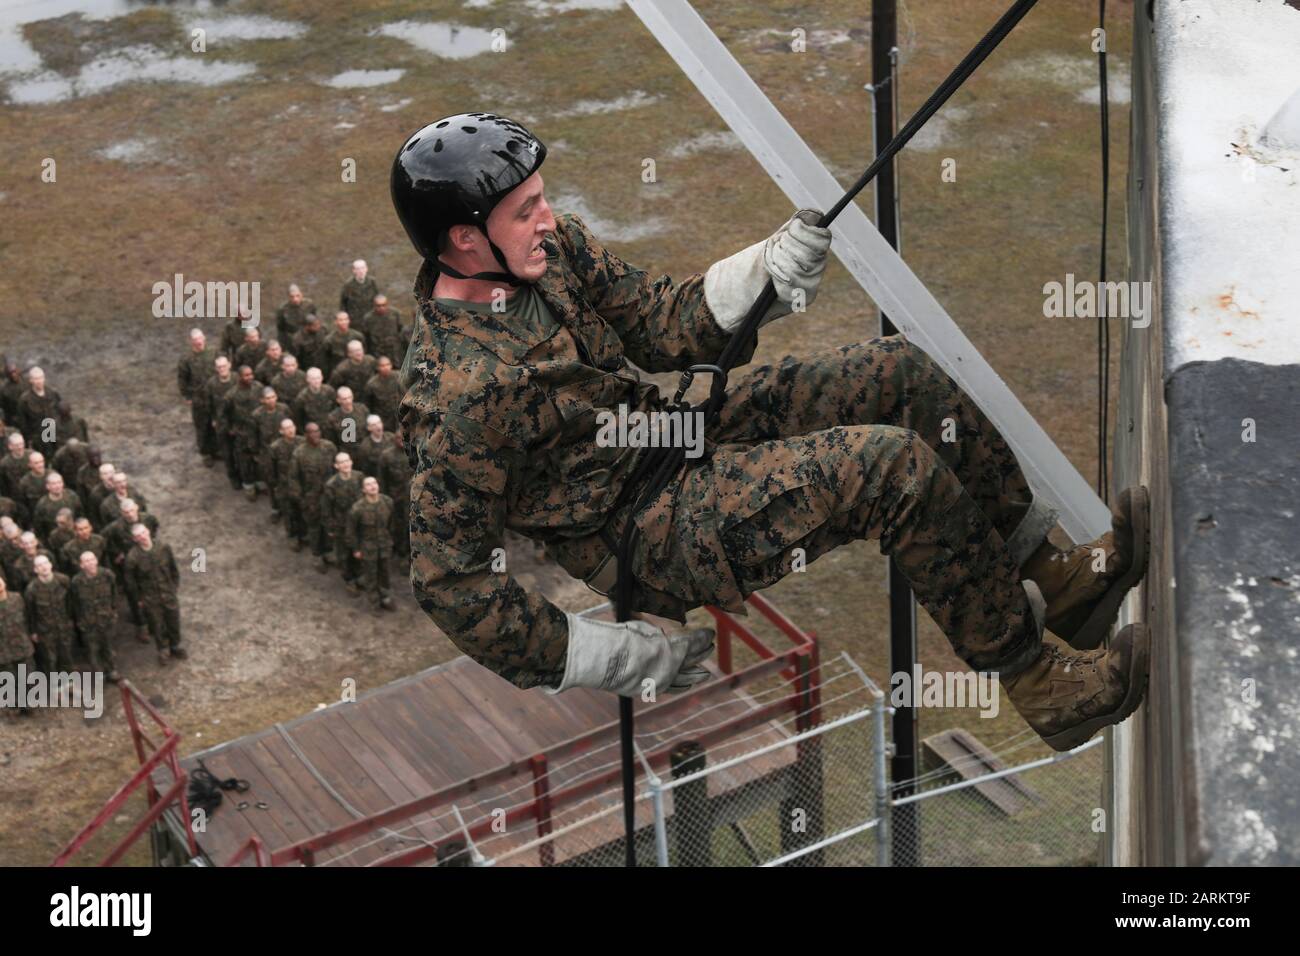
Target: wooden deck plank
<point x="397" y="791"/>
<point x="321" y="800"/>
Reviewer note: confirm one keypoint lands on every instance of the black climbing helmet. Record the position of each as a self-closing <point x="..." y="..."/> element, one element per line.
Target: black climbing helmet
<point x="454" y="171"/>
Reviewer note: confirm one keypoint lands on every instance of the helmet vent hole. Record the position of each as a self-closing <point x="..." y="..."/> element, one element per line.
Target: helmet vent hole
<point x="470" y="129"/>
<point x="412" y="144"/>
<point x="513" y="146"/>
<point x="442" y="124"/>
<point x="437" y="147"/>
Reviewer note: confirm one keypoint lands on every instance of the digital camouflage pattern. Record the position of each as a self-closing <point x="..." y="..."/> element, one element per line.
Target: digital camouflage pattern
<point x="152" y="579"/>
<point x="383" y="396"/>
<point x="49" y="616"/>
<point x="354" y="375"/>
<point x="806" y="454"/>
<point x="15" y="642"/>
<point x="290" y="318"/>
<point x="369" y="532"/>
<point x="358" y="298"/>
<point x="314" y="406"/>
<point x="500" y="423"/>
<point x="311" y="467"/>
<point x="94" y="610"/>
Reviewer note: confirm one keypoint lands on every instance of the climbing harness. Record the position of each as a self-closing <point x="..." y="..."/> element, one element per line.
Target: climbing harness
<point x="662" y="463"/>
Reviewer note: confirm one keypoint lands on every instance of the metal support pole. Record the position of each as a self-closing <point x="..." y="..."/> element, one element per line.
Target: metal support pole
<point x="629" y="779"/>
<point x="884" y="834"/>
<point x="902" y="605"/>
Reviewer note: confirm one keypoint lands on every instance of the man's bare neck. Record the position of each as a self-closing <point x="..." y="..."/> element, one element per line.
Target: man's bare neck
<point x="469" y="290"/>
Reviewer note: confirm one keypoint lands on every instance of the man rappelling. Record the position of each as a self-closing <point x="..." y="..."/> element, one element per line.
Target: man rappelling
<point x="526" y="328"/>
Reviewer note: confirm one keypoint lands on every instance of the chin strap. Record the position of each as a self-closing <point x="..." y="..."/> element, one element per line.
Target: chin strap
<point x="507" y="276"/>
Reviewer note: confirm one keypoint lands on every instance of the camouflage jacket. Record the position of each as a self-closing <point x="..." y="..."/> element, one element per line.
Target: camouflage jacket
<point x="15" y="644"/>
<point x="266" y="423"/>
<point x="118" y="540"/>
<point x="367" y="454"/>
<point x="45" y="513"/>
<point x="338" y="420"/>
<point x="383" y="395"/>
<point x="311" y="468"/>
<point x="395" y="475"/>
<point x="289" y="318"/>
<point x="110" y="506"/>
<point x="70" y="554"/>
<point x="310" y="351"/>
<point x="152" y="576"/>
<point x="384" y="334"/>
<point x="353" y="374"/>
<point x="237" y="412"/>
<point x="192" y="370"/>
<point x="339" y="495"/>
<point x="34" y="410"/>
<point x="336" y="348"/>
<point x="311" y="406"/>
<point x="211" y="397"/>
<point x="500" y="423"/>
<point x="282" y="459"/>
<point x="93" y="599"/>
<point x="358" y="298"/>
<point x="49" y="608"/>
<point x="369" y="530"/>
<point x="287" y="386"/>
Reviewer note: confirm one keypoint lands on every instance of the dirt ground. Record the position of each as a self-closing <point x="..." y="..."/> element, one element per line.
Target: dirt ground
<point x="239" y="180"/>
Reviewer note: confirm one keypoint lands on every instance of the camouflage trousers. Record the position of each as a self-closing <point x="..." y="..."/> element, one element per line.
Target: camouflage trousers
<point x="871" y="440"/>
<point x="98" y="641"/>
<point x="163" y="617"/>
<point x="57" y="647"/>
<point x="373" y="574"/>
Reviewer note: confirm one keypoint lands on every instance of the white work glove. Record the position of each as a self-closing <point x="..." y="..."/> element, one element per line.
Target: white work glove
<point x="793" y="257"/>
<point x="618" y="657"/>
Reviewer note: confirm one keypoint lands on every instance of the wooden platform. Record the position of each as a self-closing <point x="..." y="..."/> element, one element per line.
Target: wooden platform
<point x="423" y="733"/>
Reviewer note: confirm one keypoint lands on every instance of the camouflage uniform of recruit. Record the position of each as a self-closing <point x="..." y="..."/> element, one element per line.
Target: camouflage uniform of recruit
<point x="223" y="445"/>
<point x="45" y="513"/>
<point x="339" y="424"/>
<point x="310" y="349"/>
<point x="290" y="318"/>
<point x="383" y="396"/>
<point x="287" y="385"/>
<point x="94" y="611"/>
<point x="311" y="468"/>
<point x="395" y="481"/>
<point x="152" y="577"/>
<point x="241" y="401"/>
<point x="281" y="457"/>
<point x="354" y="375"/>
<point x="192" y="371"/>
<point x="206" y="413"/>
<point x="358" y="298"/>
<point x="118" y="542"/>
<point x="49" y="616"/>
<point x="68" y="461"/>
<point x="339" y="495"/>
<point x="15" y="642"/>
<point x="808" y="454"/>
<point x="70" y="554"/>
<point x="369" y="524"/>
<point x="314" y="406"/>
<point x="383" y="331"/>
<point x="35" y="412"/>
<point x="336" y="348"/>
<point x="266" y="428"/>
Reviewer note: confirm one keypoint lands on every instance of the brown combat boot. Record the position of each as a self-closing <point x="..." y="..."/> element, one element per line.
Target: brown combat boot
<point x="1066" y="698"/>
<point x="1082" y="601"/>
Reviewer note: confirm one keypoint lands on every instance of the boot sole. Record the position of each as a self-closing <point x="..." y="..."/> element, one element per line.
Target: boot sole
<point x="1103" y="615"/>
<point x="1139" y="673"/>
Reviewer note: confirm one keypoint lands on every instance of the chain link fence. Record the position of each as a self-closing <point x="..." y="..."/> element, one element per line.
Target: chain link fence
<point x="807" y="788"/>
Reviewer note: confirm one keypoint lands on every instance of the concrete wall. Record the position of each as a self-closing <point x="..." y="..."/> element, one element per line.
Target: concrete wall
<point x="1207" y="772"/>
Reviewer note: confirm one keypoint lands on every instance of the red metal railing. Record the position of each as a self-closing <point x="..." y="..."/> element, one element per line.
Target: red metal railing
<point x="797" y="666"/>
<point x="163" y="754"/>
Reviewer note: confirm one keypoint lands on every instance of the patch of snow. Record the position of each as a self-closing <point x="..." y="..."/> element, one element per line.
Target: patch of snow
<point x="354" y="79"/>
